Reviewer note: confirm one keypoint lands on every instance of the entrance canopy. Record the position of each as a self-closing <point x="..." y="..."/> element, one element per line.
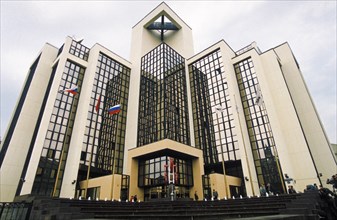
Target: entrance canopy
<point x="164" y="148"/>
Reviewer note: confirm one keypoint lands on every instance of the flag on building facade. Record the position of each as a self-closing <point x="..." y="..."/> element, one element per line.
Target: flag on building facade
<point x="219" y="109"/>
<point x="73" y="90"/>
<point x="258" y="98"/>
<point x="98" y="104"/>
<point x="114" y="109"/>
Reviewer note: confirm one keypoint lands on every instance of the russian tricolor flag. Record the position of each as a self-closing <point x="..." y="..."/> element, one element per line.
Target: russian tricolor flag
<point x="114" y="109"/>
<point x="73" y="90"/>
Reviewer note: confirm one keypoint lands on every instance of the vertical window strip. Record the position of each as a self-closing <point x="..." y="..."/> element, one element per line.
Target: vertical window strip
<point x="79" y="50"/>
<point x="259" y="128"/>
<point x="162" y="101"/>
<point x="50" y="171"/>
<point x="210" y="90"/>
<point x="104" y="141"/>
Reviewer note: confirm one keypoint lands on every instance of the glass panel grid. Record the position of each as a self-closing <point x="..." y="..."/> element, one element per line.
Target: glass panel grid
<point x="214" y="129"/>
<point x="163" y="111"/>
<point x="258" y="125"/>
<point x="104" y="139"/>
<point x="154" y="172"/>
<point x="49" y="177"/>
<point x="79" y="50"/>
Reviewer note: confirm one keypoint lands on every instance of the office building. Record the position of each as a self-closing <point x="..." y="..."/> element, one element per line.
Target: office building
<point x="184" y="123"/>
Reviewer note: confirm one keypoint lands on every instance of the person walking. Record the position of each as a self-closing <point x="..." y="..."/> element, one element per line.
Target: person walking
<point x="196" y="197"/>
<point x="263" y="190"/>
<point x="215" y="194"/>
<point x="291" y="189"/>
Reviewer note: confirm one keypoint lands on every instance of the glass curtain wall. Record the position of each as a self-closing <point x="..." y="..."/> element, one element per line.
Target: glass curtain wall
<point x="157" y="175"/>
<point x="213" y="116"/>
<point x="79" y="50"/>
<point x="154" y="172"/>
<point x="49" y="175"/>
<point x="258" y="125"/>
<point x="104" y="139"/>
<point x="163" y="111"/>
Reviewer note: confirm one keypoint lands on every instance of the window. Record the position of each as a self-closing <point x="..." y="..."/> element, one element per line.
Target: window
<point x="60" y="125"/>
<point x="163" y="109"/>
<point x="104" y="138"/>
<point x="155" y="172"/>
<point x="214" y="129"/>
<point x="77" y="49"/>
<point x="260" y="133"/>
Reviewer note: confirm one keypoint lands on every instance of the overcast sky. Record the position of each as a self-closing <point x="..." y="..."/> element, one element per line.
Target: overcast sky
<point x="308" y="26"/>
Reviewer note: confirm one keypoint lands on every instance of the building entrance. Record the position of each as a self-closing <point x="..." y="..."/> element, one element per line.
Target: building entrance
<point x="164" y="192"/>
<point x="156" y="175"/>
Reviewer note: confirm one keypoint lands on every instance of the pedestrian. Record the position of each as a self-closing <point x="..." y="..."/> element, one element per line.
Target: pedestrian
<point x="196" y="197"/>
<point x="291" y="189"/>
<point x="215" y="194"/>
<point x="268" y="189"/>
<point x="315" y="185"/>
<point x="262" y="190"/>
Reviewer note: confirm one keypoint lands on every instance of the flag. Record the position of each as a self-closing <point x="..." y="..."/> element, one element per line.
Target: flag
<point x="219" y="109"/>
<point x="98" y="103"/>
<point x="172" y="165"/>
<point x="73" y="90"/>
<point x="258" y="98"/>
<point x="114" y="109"/>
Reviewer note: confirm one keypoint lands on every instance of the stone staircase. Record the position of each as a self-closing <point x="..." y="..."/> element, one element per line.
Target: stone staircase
<point x="304" y="206"/>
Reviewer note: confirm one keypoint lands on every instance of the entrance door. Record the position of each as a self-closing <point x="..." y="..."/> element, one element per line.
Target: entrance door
<point x="158" y="192"/>
<point x="234" y="190"/>
<point x="163" y="192"/>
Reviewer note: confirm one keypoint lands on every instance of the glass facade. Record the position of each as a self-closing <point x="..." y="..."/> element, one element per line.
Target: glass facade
<point x="125" y="187"/>
<point x="49" y="175"/>
<point x="104" y="139"/>
<point x="154" y="172"/>
<point x="158" y="176"/>
<point x="167" y="101"/>
<point x="78" y="50"/>
<point x="258" y="125"/>
<point x="213" y="116"/>
<point x="207" y="187"/>
<point x="163" y="114"/>
<point x="163" y="111"/>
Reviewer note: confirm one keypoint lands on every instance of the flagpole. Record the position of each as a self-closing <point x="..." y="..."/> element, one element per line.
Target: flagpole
<point x="278" y="167"/>
<point x="259" y="102"/>
<point x="244" y="147"/>
<point x="92" y="149"/>
<point x="113" y="166"/>
<point x="63" y="150"/>
<point x="88" y="171"/>
<point x="113" y="172"/>
<point x="112" y="111"/>
<point x="223" y="158"/>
